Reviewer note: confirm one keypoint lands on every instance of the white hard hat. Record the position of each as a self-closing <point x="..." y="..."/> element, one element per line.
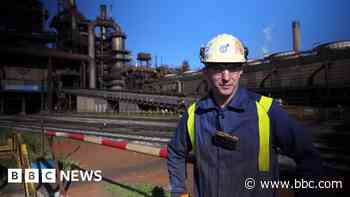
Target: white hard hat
<point x="224" y="48"/>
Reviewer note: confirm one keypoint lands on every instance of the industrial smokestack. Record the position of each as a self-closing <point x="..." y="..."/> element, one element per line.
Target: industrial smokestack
<point x="296" y="36"/>
<point x="103" y="12"/>
<point x="68" y="4"/>
<point x="103" y="16"/>
<point x="72" y="3"/>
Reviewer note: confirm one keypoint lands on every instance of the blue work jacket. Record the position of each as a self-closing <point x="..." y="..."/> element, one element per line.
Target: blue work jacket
<point x="219" y="172"/>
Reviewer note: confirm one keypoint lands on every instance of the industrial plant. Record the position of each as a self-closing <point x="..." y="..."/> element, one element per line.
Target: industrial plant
<point x="52" y="77"/>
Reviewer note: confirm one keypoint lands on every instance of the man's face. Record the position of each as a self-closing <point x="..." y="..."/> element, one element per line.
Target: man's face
<point x="223" y="80"/>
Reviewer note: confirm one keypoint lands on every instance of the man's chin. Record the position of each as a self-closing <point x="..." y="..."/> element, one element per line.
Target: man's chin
<point x="226" y="92"/>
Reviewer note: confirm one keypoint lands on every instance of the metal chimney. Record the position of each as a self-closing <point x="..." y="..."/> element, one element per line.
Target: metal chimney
<point x="68" y="4"/>
<point x="103" y="12"/>
<point x="296" y="36"/>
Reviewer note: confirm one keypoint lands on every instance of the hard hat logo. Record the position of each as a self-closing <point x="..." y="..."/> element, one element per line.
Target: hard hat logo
<point x="224" y="48"/>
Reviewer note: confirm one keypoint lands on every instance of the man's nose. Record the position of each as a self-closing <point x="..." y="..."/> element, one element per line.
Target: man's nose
<point x="225" y="74"/>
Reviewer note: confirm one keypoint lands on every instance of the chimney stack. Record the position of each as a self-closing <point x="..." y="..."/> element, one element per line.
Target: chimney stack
<point x="296" y="36"/>
<point x="71" y="3"/>
<point x="103" y="11"/>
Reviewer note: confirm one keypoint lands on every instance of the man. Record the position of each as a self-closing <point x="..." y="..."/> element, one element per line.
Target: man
<point x="234" y="134"/>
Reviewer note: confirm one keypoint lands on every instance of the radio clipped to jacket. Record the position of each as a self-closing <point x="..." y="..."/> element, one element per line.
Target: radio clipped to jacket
<point x="225" y="140"/>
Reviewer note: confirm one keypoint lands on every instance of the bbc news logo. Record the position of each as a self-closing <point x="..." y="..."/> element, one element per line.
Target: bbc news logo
<point x="15" y="175"/>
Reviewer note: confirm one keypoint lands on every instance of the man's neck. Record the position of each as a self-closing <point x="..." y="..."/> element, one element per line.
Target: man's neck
<point x="223" y="101"/>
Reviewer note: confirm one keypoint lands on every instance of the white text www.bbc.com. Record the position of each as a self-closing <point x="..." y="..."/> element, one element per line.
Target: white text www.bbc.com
<point x="296" y="184"/>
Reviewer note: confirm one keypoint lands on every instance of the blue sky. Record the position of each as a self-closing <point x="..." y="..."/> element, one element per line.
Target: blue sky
<point x="175" y="29"/>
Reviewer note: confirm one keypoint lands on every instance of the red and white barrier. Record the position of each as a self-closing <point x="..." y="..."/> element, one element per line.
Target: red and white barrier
<point x="119" y="144"/>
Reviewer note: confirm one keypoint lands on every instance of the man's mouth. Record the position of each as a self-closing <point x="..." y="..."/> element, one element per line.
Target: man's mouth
<point x="226" y="86"/>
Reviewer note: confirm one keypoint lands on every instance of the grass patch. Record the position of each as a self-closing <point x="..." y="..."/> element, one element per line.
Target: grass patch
<point x="135" y="190"/>
<point x="8" y="163"/>
<point x="66" y="163"/>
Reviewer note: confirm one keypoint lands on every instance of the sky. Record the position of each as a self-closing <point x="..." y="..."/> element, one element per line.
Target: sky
<point x="174" y="30"/>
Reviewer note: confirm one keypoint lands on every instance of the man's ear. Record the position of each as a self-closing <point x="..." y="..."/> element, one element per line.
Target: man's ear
<point x="204" y="71"/>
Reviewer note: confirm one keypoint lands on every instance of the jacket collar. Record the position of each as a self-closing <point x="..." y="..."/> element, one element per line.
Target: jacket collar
<point x="237" y="102"/>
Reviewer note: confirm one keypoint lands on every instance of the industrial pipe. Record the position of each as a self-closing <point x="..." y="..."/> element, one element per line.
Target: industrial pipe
<point x="91" y="45"/>
<point x="44" y="53"/>
<point x="179" y="86"/>
<point x="296" y="36"/>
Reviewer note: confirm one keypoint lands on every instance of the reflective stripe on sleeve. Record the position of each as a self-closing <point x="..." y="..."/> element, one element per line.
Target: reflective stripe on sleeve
<point x="190" y="124"/>
<point x="263" y="107"/>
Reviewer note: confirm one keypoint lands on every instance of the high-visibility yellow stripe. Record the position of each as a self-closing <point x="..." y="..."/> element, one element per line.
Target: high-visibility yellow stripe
<point x="263" y="107"/>
<point x="190" y="124"/>
<point x="266" y="102"/>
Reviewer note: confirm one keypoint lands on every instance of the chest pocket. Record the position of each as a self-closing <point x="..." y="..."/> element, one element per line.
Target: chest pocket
<point x="262" y="107"/>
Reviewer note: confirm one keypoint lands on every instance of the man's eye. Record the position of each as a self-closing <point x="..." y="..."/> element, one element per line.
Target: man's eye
<point x="218" y="70"/>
